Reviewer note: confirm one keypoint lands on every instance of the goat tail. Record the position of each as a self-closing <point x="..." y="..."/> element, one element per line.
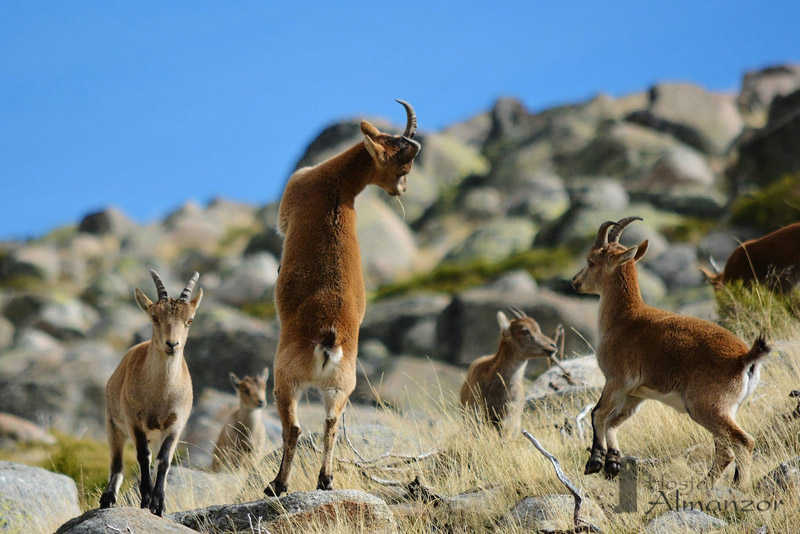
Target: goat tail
<point x="757" y="351"/>
<point x="329" y="347"/>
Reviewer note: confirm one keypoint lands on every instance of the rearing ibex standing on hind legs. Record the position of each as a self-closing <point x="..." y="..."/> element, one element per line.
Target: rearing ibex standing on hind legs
<point x="320" y="295"/>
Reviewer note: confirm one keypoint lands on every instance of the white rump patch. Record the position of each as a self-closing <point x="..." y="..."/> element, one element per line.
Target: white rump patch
<point x="749" y="383"/>
<point x="327" y="358"/>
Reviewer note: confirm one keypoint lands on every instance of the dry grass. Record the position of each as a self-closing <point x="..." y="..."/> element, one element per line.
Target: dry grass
<point x="475" y="457"/>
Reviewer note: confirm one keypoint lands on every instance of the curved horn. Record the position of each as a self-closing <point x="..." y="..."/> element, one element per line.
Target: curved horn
<point x="519" y="314"/>
<point x="162" y="291"/>
<point x="602" y="234"/>
<point x="411" y="119"/>
<point x="613" y="236"/>
<point x="187" y="291"/>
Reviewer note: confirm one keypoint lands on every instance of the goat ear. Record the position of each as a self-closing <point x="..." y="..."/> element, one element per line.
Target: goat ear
<point x="265" y="374"/>
<point x="504" y="323"/>
<point x="626" y="256"/>
<point x="374" y="148"/>
<point x="142" y="300"/>
<point x="195" y="302"/>
<point x="234" y="380"/>
<point x="642" y="250"/>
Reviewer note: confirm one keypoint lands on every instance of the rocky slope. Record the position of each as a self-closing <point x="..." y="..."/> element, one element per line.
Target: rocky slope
<point x="500" y="210"/>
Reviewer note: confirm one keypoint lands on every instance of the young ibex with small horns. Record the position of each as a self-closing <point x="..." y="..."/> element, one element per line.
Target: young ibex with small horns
<point x="773" y="260"/>
<point x="690" y="364"/>
<point x="242" y="439"/>
<point x="320" y="295"/>
<point x="149" y="396"/>
<point x="493" y="386"/>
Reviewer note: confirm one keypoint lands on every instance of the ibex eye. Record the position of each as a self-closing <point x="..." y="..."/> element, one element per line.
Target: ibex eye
<point x="154" y="318"/>
<point x="190" y="321"/>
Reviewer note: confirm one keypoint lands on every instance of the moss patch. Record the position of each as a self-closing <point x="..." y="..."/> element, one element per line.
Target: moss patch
<point x="455" y="277"/>
<point x="775" y="206"/>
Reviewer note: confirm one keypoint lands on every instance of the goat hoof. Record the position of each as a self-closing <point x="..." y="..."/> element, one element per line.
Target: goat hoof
<point x="611" y="469"/>
<point x="275" y="489"/>
<point x="594" y="465"/>
<point x="107" y="500"/>
<point x="325" y="482"/>
<point x="145" y="501"/>
<point x="157" y="505"/>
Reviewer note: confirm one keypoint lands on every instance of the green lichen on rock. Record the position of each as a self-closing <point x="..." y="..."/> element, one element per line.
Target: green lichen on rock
<point x="776" y="205"/>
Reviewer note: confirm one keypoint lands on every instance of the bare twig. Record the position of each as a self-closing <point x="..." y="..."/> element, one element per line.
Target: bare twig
<point x="115" y="529"/>
<point x="347" y="439"/>
<point x="576" y="494"/>
<point x="560" y="340"/>
<point x="580" y="418"/>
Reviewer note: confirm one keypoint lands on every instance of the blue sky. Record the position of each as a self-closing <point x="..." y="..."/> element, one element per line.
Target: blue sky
<point x="146" y="105"/>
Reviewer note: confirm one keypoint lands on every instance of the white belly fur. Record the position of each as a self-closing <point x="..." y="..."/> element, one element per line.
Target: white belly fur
<point x="672" y="399"/>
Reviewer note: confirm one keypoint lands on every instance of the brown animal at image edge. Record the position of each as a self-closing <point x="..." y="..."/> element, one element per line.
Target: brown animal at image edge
<point x="692" y="365"/>
<point x="320" y="295"/>
<point x="773" y="260"/>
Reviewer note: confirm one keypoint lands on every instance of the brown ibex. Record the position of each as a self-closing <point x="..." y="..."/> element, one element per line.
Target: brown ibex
<point x="493" y="386"/>
<point x="772" y="260"/>
<point x="149" y="396"/>
<point x="320" y="295"/>
<point x="687" y="363"/>
<point x="242" y="439"/>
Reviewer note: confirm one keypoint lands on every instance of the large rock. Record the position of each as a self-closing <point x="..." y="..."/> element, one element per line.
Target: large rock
<point x="107" y="221"/>
<point x="125" y="520"/>
<point x="35" y="500"/>
<point x="387" y="245"/>
<point x="249" y="282"/>
<point x="583" y="370"/>
<point x="390" y="320"/>
<point x="688" y="521"/>
<point x="223" y="341"/>
<point x="553" y="512"/>
<point x="411" y="383"/>
<point x="495" y="241"/>
<point x="296" y="512"/>
<point x="66" y="319"/>
<point x="538" y="196"/>
<point x="768" y="154"/>
<point x="68" y="392"/>
<point x="678" y="267"/>
<point x="468" y="328"/>
<point x="760" y="87"/>
<point x="40" y="262"/>
<point x="16" y="430"/>
<point x="6" y="333"/>
<point x="679" y="167"/>
<point x="785" y="477"/>
<point x="706" y="121"/>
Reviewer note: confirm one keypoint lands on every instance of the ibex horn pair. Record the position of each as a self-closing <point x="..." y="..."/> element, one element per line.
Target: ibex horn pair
<point x="604" y="237"/>
<point x="411" y="122"/>
<point x="519" y="314"/>
<point x="185" y="294"/>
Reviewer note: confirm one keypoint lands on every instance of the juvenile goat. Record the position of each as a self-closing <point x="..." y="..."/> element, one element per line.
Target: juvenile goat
<point x="773" y="260"/>
<point x="493" y="386"/>
<point x="689" y="364"/>
<point x="320" y="295"/>
<point x="242" y="439"/>
<point x="149" y="396"/>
